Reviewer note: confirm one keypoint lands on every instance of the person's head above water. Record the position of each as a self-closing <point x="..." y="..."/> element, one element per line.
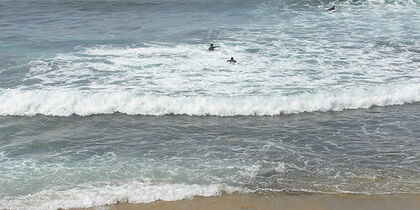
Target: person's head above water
<point x="211" y="48"/>
<point x="231" y="60"/>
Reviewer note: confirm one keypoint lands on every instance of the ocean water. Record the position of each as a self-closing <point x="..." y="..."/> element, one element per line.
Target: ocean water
<point x="106" y="101"/>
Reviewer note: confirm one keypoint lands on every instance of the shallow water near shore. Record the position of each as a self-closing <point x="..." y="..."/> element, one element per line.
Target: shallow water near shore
<point x="97" y="160"/>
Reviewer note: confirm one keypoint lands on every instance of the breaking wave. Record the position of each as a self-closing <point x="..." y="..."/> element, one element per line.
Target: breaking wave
<point x="94" y="195"/>
<point x="66" y="103"/>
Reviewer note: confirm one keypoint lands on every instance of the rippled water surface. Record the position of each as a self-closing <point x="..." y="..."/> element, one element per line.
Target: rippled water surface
<point x="119" y="100"/>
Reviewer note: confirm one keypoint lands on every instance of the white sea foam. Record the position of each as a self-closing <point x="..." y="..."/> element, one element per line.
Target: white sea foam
<point x="2" y="155"/>
<point x="269" y="62"/>
<point x="101" y="194"/>
<point x="65" y="103"/>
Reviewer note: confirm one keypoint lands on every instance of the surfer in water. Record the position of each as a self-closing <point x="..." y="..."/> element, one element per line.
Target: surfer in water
<point x="231" y="60"/>
<point x="211" y="48"/>
<point x="331" y="9"/>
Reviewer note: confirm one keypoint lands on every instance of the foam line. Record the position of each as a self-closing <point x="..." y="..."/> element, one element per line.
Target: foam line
<point x="93" y="195"/>
<point x="65" y="103"/>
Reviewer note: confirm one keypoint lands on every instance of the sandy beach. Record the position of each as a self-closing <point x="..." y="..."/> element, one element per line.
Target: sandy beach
<point x="283" y="202"/>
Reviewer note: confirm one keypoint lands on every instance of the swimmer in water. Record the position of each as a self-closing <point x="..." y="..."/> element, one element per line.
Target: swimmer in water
<point x="231" y="60"/>
<point x="211" y="48"/>
<point x="331" y="9"/>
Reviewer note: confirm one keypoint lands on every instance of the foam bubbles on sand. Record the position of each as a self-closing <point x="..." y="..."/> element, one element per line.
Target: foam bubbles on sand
<point x="100" y="194"/>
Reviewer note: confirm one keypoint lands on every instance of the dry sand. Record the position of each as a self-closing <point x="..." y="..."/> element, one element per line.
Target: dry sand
<point x="283" y="202"/>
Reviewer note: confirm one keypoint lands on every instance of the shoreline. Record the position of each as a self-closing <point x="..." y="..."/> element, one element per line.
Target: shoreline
<point x="280" y="201"/>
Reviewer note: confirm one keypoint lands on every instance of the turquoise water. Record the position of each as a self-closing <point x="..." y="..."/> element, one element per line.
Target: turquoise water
<point x="107" y="101"/>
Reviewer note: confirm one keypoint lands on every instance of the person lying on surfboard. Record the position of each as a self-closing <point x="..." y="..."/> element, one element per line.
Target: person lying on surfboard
<point x="331" y="9"/>
<point x="231" y="60"/>
<point x="211" y="48"/>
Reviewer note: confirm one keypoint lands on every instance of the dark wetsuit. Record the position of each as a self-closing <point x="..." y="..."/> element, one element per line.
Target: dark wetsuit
<point x="211" y="48"/>
<point x="331" y="9"/>
<point x="231" y="61"/>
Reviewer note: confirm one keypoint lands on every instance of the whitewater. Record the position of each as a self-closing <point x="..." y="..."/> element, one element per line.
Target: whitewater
<point x="114" y="101"/>
<point x="291" y="57"/>
<point x="66" y="103"/>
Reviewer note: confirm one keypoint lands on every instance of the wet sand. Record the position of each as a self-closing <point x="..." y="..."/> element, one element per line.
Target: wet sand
<point x="283" y="202"/>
